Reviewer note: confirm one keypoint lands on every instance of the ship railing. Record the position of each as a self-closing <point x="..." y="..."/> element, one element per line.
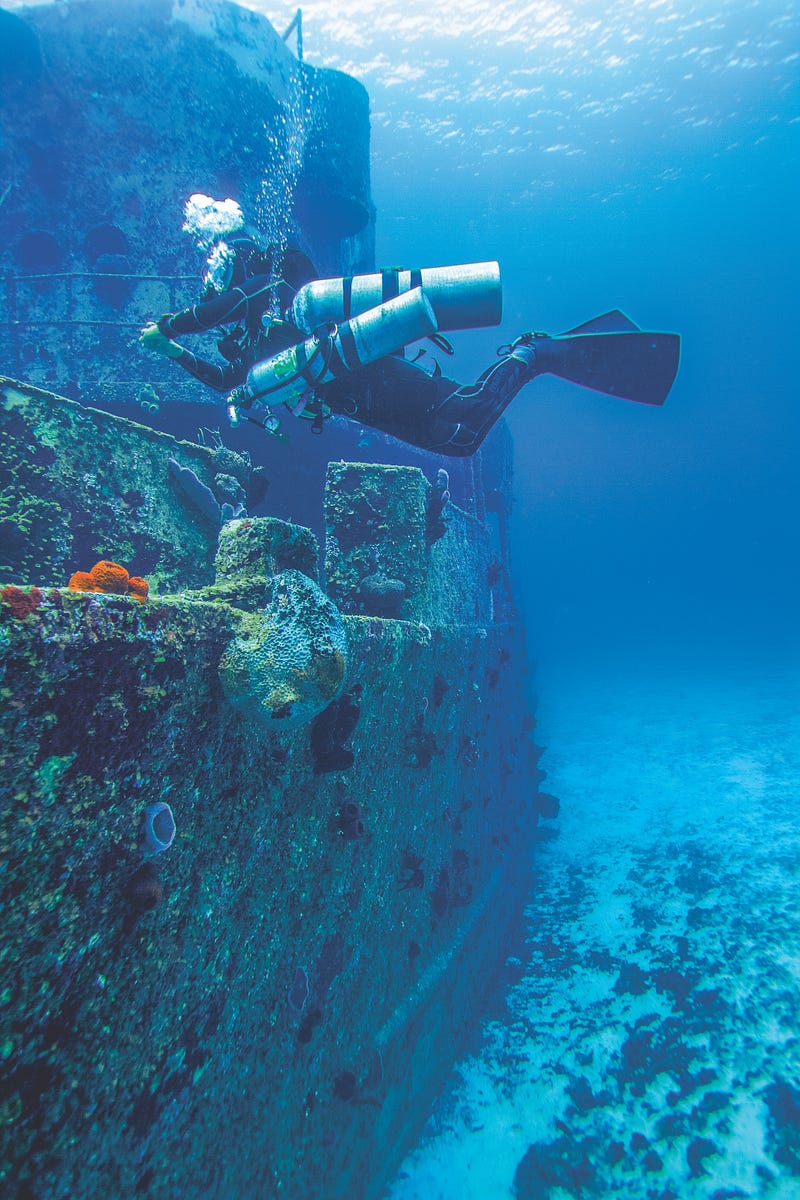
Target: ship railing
<point x="40" y="284"/>
<point x="77" y="332"/>
<point x="296" y="24"/>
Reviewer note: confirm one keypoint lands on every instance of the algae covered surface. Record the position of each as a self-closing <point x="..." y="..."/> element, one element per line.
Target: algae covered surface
<point x="343" y="793"/>
<point x="343" y="759"/>
<point x="78" y="485"/>
<point x="155" y="994"/>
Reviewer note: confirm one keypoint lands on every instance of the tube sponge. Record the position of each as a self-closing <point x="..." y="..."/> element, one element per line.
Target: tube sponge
<point x="158" y="833"/>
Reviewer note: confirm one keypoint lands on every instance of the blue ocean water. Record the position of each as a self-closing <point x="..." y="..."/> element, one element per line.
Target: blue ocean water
<point x="646" y="1042"/>
<point x="641" y="156"/>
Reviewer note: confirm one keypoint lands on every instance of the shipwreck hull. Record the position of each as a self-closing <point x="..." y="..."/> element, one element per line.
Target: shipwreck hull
<point x="108" y="124"/>
<point x="269" y="1006"/>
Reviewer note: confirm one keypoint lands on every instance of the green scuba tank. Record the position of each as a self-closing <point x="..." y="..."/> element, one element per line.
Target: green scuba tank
<point x="333" y="350"/>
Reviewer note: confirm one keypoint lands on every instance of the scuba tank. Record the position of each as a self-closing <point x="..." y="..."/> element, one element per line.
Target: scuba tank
<point x="467" y="296"/>
<point x="333" y="350"/>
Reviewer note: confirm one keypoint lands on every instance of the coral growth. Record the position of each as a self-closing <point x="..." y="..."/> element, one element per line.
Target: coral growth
<point x="288" y="660"/>
<point x="110" y="578"/>
<point x="31" y="532"/>
<point x="381" y="596"/>
<point x="18" y="603"/>
<point x="81" y="581"/>
<point x="138" y="588"/>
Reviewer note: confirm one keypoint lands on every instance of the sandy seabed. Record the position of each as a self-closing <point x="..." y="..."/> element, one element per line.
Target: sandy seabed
<point x="648" y="1045"/>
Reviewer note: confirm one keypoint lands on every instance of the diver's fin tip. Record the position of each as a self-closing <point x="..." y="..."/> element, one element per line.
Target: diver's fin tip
<point x="610" y="322"/>
<point x="630" y="364"/>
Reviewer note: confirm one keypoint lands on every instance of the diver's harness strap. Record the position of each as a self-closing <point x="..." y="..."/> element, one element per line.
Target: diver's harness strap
<point x="294" y="375"/>
<point x="311" y="406"/>
<point x="390" y="287"/>
<point x="349" y="360"/>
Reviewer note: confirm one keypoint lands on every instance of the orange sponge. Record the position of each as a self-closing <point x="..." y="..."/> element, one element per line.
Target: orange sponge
<point x="81" y="581"/>
<point x="138" y="588"/>
<point x="109" y="577"/>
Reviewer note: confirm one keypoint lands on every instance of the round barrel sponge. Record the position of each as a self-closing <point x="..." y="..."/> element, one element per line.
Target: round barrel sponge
<point x="289" y="659"/>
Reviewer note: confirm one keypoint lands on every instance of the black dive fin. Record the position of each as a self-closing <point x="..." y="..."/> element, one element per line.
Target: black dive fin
<point x="632" y="365"/>
<point x="610" y="322"/>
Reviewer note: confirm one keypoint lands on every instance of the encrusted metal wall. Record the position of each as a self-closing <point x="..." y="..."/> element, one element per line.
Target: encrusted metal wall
<point x="268" y="1006"/>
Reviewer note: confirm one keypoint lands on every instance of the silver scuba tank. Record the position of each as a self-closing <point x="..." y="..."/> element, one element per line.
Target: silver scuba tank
<point x="466" y="296"/>
<point x="337" y="349"/>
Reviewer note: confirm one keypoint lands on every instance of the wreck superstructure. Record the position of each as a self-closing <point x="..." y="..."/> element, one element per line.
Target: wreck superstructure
<point x="111" y="118"/>
<point x="326" y="690"/>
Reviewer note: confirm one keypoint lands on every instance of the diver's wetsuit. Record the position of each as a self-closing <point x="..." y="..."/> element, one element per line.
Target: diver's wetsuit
<point x="393" y="395"/>
<point x="432" y="412"/>
<point x="254" y="289"/>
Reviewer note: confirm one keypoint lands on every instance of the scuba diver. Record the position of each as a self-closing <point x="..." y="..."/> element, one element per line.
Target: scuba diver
<point x="316" y="347"/>
<point x="242" y="284"/>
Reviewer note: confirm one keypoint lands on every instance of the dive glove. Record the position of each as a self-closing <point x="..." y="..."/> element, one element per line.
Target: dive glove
<point x="153" y="339"/>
